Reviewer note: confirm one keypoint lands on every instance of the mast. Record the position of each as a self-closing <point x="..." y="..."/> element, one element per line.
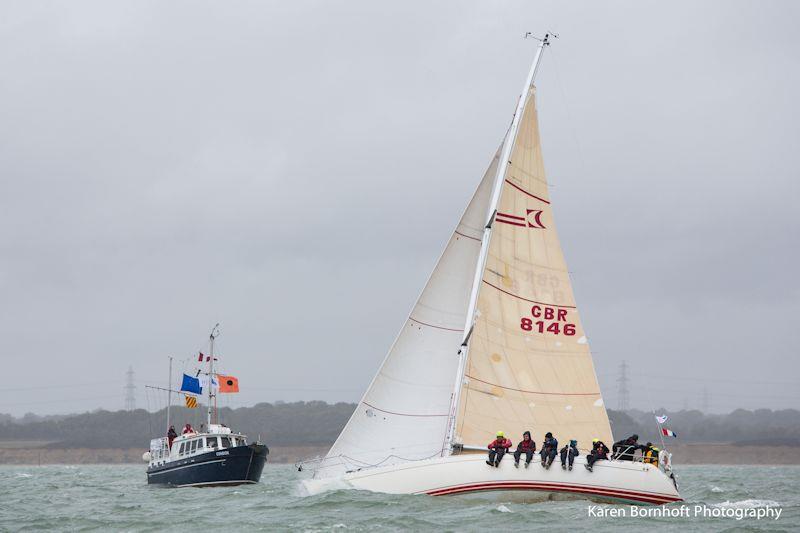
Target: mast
<point x="500" y="176"/>
<point x="214" y="334"/>
<point x="169" y="392"/>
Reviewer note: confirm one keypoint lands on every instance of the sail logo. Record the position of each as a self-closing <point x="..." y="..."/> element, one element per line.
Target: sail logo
<point x="532" y="219"/>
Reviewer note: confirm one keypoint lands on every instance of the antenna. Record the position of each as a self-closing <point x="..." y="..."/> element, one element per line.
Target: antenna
<point x="212" y="407"/>
<point x="545" y="39"/>
<point x="623" y="395"/>
<point x="130" y="391"/>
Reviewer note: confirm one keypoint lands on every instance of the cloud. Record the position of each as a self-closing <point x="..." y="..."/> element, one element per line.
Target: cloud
<point x="293" y="170"/>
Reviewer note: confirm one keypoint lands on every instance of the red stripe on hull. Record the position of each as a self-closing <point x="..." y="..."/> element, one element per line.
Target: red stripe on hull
<point x="558" y="487"/>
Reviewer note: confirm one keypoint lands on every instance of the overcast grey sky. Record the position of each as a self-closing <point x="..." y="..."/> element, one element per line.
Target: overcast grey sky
<point x="293" y="169"/>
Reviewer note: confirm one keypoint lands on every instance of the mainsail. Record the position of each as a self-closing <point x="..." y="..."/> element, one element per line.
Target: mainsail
<point x="406" y="411"/>
<point x="528" y="362"/>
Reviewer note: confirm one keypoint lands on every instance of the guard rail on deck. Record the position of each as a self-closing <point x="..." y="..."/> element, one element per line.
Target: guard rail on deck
<point x="159" y="450"/>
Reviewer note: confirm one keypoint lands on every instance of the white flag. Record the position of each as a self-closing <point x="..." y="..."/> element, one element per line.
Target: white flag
<point x="661" y="419"/>
<point x="204" y="382"/>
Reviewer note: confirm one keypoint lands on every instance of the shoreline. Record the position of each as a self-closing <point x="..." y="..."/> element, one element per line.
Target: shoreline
<point x="109" y="456"/>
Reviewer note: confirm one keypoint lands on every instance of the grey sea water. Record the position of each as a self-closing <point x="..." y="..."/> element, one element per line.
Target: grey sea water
<point x="114" y="497"/>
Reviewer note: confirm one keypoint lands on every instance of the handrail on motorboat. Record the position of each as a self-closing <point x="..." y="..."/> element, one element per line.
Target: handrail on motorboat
<point x="159" y="449"/>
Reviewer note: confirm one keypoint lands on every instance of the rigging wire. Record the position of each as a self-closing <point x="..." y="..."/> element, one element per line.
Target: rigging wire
<point x="570" y="121"/>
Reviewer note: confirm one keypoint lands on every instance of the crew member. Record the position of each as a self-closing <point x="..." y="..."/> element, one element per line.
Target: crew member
<point x="497" y="449"/>
<point x="568" y="454"/>
<point x="526" y="446"/>
<point x="549" y="450"/>
<point x="599" y="452"/>
<point x="650" y="454"/>
<point x="171" y="436"/>
<point x="625" y="448"/>
<point x="187" y="429"/>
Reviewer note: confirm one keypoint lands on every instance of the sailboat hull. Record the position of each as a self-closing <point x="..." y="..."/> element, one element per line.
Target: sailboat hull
<point x="468" y="474"/>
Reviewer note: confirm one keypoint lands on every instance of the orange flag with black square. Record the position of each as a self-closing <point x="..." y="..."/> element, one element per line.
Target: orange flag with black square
<point x="191" y="401"/>
<point x="228" y="384"/>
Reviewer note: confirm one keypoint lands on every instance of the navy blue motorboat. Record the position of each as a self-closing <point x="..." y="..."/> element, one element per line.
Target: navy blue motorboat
<point x="218" y="457"/>
<point x="214" y="456"/>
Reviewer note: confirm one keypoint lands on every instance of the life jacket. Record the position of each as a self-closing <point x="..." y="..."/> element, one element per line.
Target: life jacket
<point x="568" y="447"/>
<point x="550" y="444"/>
<point x="600" y="450"/>
<point x="651" y="457"/>
<point x="526" y="445"/>
<point x="500" y="443"/>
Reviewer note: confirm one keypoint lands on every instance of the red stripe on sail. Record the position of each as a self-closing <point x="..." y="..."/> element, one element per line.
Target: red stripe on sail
<point x="460" y="330"/>
<point x="527" y="300"/>
<point x="509" y="222"/>
<point x="399" y="414"/>
<point x="535" y="392"/>
<point x="520" y="189"/>
<point x="515" y="217"/>
<point x="467" y="236"/>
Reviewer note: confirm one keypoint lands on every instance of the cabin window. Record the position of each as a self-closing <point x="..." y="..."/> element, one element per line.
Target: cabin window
<point x="180" y="450"/>
<point x="225" y="442"/>
<point x="194" y="446"/>
<point x="211" y="442"/>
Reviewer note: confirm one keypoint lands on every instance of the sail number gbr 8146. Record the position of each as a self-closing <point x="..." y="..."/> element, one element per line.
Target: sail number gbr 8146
<point x="546" y="319"/>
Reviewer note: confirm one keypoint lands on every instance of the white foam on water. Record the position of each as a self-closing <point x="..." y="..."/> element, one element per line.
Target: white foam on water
<point x="504" y="509"/>
<point x="312" y="487"/>
<point x="339" y="526"/>
<point x="746" y="504"/>
<point x="23" y="474"/>
<point x="714" y="488"/>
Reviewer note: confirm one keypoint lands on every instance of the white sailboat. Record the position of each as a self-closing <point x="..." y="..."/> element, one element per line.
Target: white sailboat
<point x="494" y="342"/>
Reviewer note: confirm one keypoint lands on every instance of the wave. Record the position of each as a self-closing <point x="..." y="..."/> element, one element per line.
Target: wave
<point x="746" y="504"/>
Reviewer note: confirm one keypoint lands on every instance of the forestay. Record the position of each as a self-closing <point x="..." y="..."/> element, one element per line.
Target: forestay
<point x="404" y="414"/>
<point x="528" y="361"/>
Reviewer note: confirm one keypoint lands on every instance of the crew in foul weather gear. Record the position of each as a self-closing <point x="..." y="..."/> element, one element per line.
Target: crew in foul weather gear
<point x="650" y="454"/>
<point x="171" y="436"/>
<point x="497" y="449"/>
<point x="572" y="450"/>
<point x="599" y="452"/>
<point x="549" y="450"/>
<point x="187" y="429"/>
<point x="625" y="448"/>
<point x="526" y="446"/>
